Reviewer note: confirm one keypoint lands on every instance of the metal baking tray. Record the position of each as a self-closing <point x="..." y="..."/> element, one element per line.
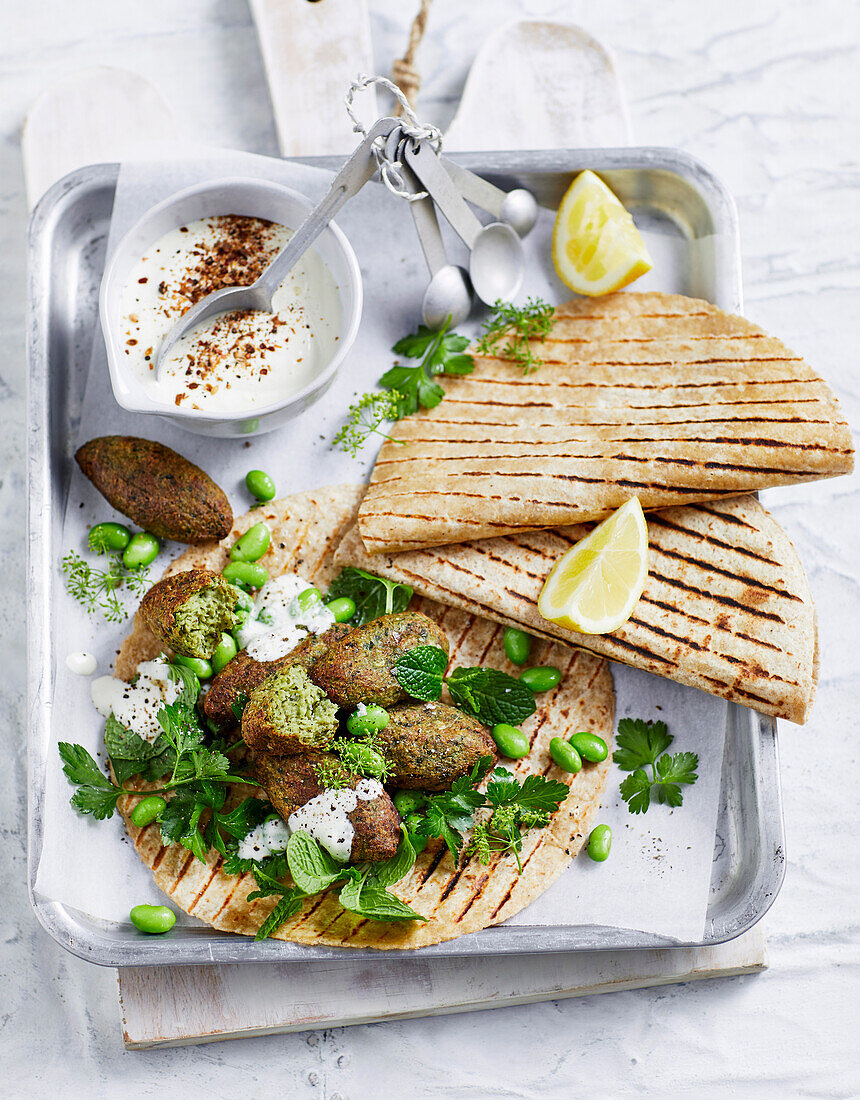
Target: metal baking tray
<point x="666" y="190"/>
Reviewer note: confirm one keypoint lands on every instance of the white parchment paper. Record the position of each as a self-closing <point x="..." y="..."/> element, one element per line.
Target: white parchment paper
<point x="657" y="877"/>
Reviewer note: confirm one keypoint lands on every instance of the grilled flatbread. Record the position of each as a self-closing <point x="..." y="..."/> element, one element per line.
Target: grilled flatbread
<point x="652" y="395"/>
<point x="726" y="606"/>
<point x="306" y="529"/>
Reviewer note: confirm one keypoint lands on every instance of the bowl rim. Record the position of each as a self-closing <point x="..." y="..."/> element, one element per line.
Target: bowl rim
<point x="346" y="337"/>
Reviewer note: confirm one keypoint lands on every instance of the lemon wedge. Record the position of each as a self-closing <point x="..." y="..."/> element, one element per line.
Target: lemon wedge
<point x="594" y="586"/>
<point x="596" y="248"/>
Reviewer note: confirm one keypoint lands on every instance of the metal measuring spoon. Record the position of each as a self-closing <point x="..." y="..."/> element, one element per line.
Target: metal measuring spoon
<point x="497" y="262"/>
<point x="448" y="297"/>
<point x="258" y="296"/>
<point x="518" y="208"/>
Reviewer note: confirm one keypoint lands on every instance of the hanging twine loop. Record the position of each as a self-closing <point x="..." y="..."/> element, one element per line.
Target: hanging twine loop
<point x="403" y="70"/>
<point x="390" y="170"/>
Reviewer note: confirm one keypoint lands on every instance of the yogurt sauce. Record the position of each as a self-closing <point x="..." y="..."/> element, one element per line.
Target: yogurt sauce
<point x="325" y="817"/>
<point x="264" y="840"/>
<point x="237" y="361"/>
<point x="135" y="706"/>
<point x="277" y="624"/>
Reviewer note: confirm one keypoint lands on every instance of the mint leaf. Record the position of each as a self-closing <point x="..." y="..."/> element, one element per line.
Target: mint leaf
<point x="289" y="905"/>
<point x="420" y="671"/>
<point x="375" y="903"/>
<point x="311" y="867"/>
<point x="491" y="696"/>
<point x="393" y="870"/>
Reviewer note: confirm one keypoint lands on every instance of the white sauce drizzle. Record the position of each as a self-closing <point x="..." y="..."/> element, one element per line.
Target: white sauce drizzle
<point x="264" y="840"/>
<point x="277" y="624"/>
<point x="81" y="663"/>
<point x="251" y="359"/>
<point x="135" y="706"/>
<point x="326" y="818"/>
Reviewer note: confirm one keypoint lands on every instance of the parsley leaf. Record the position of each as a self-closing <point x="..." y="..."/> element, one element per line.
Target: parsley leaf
<point x="373" y="596"/>
<point x="536" y="793"/>
<point x="96" y="794"/>
<point x="642" y="745"/>
<point x="519" y="326"/>
<point x="406" y="388"/>
<point x="420" y="671"/>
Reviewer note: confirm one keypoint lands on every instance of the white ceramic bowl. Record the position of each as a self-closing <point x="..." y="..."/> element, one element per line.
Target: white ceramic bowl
<point x="252" y="198"/>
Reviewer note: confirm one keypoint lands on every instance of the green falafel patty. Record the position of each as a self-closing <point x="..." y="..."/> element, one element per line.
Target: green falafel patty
<point x="188" y="612"/>
<point x="288" y="714"/>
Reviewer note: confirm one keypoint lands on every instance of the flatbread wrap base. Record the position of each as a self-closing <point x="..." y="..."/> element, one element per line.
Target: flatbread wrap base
<point x="306" y="530"/>
<point x="652" y="395"/>
<point x="726" y="606"/>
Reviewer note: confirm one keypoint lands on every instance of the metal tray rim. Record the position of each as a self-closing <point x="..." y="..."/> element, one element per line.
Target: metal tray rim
<point x="60" y="921"/>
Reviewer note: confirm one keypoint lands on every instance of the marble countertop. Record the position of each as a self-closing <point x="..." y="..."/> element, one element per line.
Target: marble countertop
<point x="768" y="93"/>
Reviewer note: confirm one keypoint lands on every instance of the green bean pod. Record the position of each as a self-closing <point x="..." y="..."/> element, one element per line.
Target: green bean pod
<point x="260" y="485"/>
<point x="542" y="678"/>
<point x="510" y="741"/>
<point x="253" y="544"/>
<point x="599" y="843"/>
<point x="565" y="755"/>
<point x="518" y="645"/>
<point x="153" y="919"/>
<point x="147" y="810"/>
<point x="246" y="574"/>
<point x="590" y="746"/>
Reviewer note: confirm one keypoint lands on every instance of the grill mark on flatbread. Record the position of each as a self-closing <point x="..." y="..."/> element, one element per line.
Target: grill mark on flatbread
<point x="301" y="918"/>
<point x="657" y="520"/>
<point x="182" y="871"/>
<point x="481" y="883"/>
<point x="651" y="386"/>
<point x="216" y="867"/>
<point x="741" y="578"/>
<point x="432" y="865"/>
<point x="240" y="882"/>
<point x="720" y="598"/>
<point x="656" y="338"/>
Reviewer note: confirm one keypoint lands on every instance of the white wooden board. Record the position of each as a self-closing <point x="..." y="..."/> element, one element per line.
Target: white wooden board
<point x="178" y="1006"/>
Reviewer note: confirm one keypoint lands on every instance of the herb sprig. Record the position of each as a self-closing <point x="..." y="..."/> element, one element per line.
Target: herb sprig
<point x="487" y="694"/>
<point x="96" y="589"/>
<point x="515" y="806"/>
<point x="518" y="327"/>
<point x="406" y="388"/>
<point x="642" y="745"/>
<point x="373" y="596"/>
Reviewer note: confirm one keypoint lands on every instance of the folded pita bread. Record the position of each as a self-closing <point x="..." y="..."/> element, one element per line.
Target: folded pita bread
<point x="306" y="529"/>
<point x="652" y="395"/>
<point x="726" y="606"/>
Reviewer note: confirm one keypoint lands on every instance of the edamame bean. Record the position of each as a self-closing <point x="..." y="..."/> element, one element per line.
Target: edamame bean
<point x="244" y="604"/>
<point x="565" y="755"/>
<point x="153" y="919"/>
<point x="147" y="810"/>
<point x="542" y="678"/>
<point x="518" y="645"/>
<point x="224" y="653"/>
<point x="308" y="598"/>
<point x="260" y="485"/>
<point x="599" y="843"/>
<point x="109" y="536"/>
<point x="419" y="843"/>
<point x="343" y="609"/>
<point x="407" y="802"/>
<point x="253" y="544"/>
<point x="373" y="719"/>
<point x="201" y="669"/>
<point x="246" y="574"/>
<point x="141" y="551"/>
<point x="590" y="746"/>
<point x="510" y="741"/>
